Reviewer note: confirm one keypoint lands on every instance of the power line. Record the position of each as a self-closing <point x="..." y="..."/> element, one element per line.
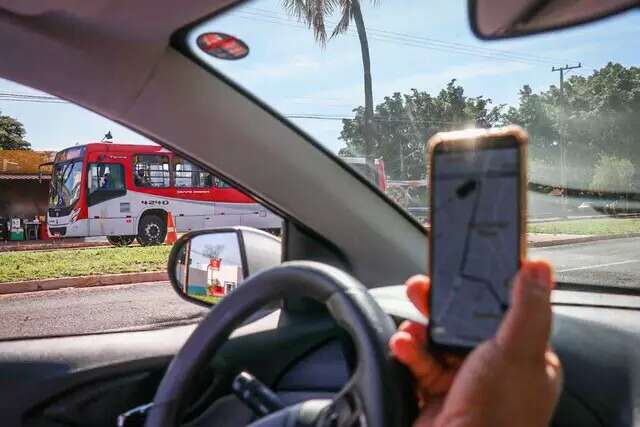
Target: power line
<point x="403" y="38"/>
<point x="23" y="97"/>
<point x="274" y="14"/>
<point x="316" y="116"/>
<point x="32" y="100"/>
<point x="17" y="97"/>
<point x="415" y="44"/>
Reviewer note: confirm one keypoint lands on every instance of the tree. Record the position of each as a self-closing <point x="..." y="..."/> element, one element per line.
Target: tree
<point x="599" y="115"/>
<point x="12" y="134"/>
<point x="404" y="123"/>
<point x="539" y="118"/>
<point x="613" y="174"/>
<point x="212" y="251"/>
<point x="313" y="13"/>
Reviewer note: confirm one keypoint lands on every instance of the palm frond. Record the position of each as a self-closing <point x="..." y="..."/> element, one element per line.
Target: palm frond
<point x="296" y="8"/>
<point x="346" y="13"/>
<point x="319" y="10"/>
<point x="313" y="14"/>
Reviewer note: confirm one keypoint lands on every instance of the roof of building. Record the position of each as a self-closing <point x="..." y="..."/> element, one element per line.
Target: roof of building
<point x="24" y="162"/>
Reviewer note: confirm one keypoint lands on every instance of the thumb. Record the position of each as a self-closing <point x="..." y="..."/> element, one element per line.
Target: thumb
<point x="525" y="329"/>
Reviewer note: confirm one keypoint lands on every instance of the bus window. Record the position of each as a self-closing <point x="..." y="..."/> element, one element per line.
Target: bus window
<point x="105" y="181"/>
<point x="151" y="170"/>
<point x="188" y="175"/>
<point x="218" y="183"/>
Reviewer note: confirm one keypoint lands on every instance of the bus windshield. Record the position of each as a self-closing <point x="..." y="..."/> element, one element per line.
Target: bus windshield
<point x="65" y="184"/>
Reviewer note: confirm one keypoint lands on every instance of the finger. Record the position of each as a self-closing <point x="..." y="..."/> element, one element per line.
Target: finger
<point x="554" y="366"/>
<point x="417" y="330"/>
<point x="453" y="361"/>
<point x="418" y="292"/>
<point x="431" y="377"/>
<point x="420" y="334"/>
<point x="524" y="332"/>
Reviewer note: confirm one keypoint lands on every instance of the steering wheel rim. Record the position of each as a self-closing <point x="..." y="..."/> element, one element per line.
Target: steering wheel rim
<point x="380" y="389"/>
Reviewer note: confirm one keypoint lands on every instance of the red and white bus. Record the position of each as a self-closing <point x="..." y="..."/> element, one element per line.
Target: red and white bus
<point x="126" y="192"/>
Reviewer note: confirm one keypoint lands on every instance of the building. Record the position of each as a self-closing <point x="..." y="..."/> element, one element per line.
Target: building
<point x="24" y="192"/>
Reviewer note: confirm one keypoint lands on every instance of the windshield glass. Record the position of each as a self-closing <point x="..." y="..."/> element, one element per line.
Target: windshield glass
<point x="89" y="213"/>
<point x="373" y="81"/>
<point x="65" y="184"/>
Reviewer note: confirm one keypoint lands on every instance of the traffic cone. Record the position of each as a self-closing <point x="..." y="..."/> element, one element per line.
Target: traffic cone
<point x="172" y="236"/>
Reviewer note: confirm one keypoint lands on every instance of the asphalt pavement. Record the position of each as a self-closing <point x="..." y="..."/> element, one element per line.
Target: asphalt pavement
<point x="606" y="262"/>
<point x="73" y="311"/>
<point x="138" y="306"/>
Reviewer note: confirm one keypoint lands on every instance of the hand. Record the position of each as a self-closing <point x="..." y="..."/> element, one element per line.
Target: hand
<point x="513" y="379"/>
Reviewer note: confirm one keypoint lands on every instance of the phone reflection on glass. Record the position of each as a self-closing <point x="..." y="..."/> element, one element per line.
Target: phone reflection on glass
<point x="478" y="204"/>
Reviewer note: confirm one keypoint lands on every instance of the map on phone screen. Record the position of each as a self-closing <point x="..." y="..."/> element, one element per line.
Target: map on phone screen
<point x="475" y="242"/>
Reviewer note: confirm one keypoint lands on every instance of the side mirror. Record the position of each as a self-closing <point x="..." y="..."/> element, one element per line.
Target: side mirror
<point x="497" y="19"/>
<point x="205" y="266"/>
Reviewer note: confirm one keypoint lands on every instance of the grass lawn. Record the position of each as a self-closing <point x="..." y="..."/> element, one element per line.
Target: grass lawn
<point x="588" y="226"/>
<point x="31" y="265"/>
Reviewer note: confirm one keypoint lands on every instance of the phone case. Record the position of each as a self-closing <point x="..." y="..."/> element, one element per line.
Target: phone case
<point x="483" y="137"/>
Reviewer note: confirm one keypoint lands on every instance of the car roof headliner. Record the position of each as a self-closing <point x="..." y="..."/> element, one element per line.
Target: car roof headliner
<point x="115" y="58"/>
<point x="116" y="42"/>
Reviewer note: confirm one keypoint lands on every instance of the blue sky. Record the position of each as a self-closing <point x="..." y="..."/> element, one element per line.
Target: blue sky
<point x="414" y="44"/>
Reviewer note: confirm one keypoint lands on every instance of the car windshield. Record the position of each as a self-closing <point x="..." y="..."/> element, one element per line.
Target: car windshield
<point x="65" y="184"/>
<point x="372" y="81"/>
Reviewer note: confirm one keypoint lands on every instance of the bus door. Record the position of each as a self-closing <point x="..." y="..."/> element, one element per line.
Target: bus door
<point x="108" y="208"/>
<point x="193" y="187"/>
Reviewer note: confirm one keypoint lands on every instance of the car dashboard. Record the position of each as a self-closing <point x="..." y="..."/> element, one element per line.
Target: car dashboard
<point x="91" y="379"/>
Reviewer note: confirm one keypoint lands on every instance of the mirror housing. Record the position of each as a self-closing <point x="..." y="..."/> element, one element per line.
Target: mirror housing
<point x="204" y="266"/>
<point x="498" y="19"/>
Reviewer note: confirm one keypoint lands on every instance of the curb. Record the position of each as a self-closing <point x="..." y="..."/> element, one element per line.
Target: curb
<point x="583" y="239"/>
<point x="81" y="282"/>
<point x="52" y="246"/>
<point x="580" y="218"/>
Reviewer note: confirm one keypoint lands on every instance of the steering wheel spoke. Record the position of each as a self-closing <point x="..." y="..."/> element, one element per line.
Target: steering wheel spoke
<point x="346" y="409"/>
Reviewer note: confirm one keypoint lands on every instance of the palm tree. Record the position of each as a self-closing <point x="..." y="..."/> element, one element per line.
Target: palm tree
<point x="313" y="13"/>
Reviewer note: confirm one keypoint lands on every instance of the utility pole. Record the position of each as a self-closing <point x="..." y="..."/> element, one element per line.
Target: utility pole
<point x="402" y="176"/>
<point x="563" y="140"/>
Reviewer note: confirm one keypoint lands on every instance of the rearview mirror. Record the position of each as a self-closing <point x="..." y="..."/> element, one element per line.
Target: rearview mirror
<point x="496" y="19"/>
<point x="205" y="266"/>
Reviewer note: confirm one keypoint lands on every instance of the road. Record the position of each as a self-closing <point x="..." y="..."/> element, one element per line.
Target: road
<point x="87" y="310"/>
<point x="606" y="262"/>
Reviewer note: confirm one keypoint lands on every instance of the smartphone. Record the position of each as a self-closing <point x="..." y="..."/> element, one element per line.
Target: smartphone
<point x="477" y="185"/>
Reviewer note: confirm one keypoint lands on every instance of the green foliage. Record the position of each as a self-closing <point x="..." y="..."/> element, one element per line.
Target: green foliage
<point x="599" y="114"/>
<point x="12" y="134"/>
<point x="403" y="124"/>
<point x="613" y="174"/>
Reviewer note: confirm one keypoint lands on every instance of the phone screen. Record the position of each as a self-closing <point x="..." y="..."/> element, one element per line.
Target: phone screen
<point x="475" y="247"/>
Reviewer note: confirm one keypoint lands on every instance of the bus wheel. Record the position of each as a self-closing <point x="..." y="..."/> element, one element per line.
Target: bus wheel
<point x="151" y="230"/>
<point x="121" y="240"/>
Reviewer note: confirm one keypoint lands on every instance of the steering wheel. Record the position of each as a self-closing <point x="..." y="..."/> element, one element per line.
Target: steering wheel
<point x="380" y="390"/>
